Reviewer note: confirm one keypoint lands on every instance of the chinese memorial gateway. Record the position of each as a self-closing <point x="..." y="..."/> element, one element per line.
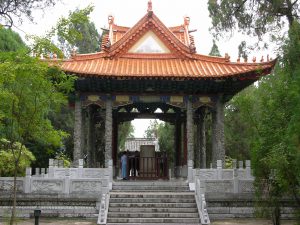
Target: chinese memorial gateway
<point x="147" y="71"/>
<point x="148" y="67"/>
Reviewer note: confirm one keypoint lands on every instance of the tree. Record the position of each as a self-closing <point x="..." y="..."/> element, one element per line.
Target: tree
<point x="90" y="41"/>
<point x="7" y="159"/>
<point x="151" y="131"/>
<point x="268" y="116"/>
<point x="252" y="17"/>
<point x="9" y="10"/>
<point x="165" y="133"/>
<point x="125" y="131"/>
<point x="242" y="51"/>
<point x="10" y="40"/>
<point x="78" y="31"/>
<point x="215" y="50"/>
<point x="240" y="124"/>
<point x="29" y="90"/>
<point x="73" y="32"/>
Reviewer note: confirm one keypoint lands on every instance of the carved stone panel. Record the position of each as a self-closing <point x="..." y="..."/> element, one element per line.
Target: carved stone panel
<point x="94" y="173"/>
<point x="85" y="186"/>
<point x="6" y="185"/>
<point x="47" y="186"/>
<point x="225" y="186"/>
<point x="207" y="174"/>
<point x="227" y="174"/>
<point x="246" y="186"/>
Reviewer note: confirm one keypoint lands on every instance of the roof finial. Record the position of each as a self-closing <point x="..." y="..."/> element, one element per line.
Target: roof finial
<point x="149" y="6"/>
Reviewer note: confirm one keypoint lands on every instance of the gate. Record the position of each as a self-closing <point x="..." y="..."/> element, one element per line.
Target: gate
<point x="148" y="168"/>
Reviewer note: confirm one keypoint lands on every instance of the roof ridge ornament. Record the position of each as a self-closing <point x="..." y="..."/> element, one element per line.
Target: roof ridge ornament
<point x="149" y="6"/>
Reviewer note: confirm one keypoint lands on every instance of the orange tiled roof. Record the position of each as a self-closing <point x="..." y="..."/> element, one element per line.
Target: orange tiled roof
<point x="161" y="66"/>
<point x="181" y="63"/>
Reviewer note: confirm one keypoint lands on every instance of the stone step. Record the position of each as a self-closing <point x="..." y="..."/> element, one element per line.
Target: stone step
<point x="153" y="195"/>
<point x="154" y="220"/>
<point x="151" y="200"/>
<point x="154" y="210"/>
<point x="149" y="183"/>
<point x="153" y="205"/>
<point x="155" y="223"/>
<point x="150" y="189"/>
<point x="152" y="215"/>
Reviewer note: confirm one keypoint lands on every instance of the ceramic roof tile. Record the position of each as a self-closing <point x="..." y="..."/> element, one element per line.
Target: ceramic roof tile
<point x="161" y="68"/>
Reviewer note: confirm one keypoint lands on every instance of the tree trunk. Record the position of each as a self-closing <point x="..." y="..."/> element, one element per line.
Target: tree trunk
<point x="13" y="212"/>
<point x="276" y="215"/>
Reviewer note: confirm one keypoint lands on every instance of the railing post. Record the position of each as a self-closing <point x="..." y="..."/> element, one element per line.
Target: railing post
<point x="28" y="180"/>
<point x="241" y="165"/>
<point x="248" y="169"/>
<point x="219" y="169"/>
<point x="235" y="182"/>
<point x="51" y="168"/>
<point x="67" y="181"/>
<point x="80" y="168"/>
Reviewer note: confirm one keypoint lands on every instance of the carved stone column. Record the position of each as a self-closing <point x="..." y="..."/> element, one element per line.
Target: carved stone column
<point x="218" y="149"/>
<point x="90" y="138"/>
<point x="78" y="133"/>
<point x="177" y="145"/>
<point x="108" y="132"/>
<point x="190" y="139"/>
<point x="202" y="140"/>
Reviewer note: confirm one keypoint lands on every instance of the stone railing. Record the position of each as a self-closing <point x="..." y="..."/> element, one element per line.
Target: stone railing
<point x="66" y="181"/>
<point x="201" y="202"/>
<point x="103" y="208"/>
<point x="219" y="180"/>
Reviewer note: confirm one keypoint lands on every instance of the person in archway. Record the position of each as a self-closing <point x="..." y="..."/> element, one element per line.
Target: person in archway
<point x="124" y="165"/>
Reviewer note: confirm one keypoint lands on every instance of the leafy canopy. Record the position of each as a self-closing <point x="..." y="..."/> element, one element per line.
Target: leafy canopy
<point x="252" y="17"/>
<point x="7" y="159"/>
<point x="9" y="10"/>
<point x="10" y="40"/>
<point x="29" y="91"/>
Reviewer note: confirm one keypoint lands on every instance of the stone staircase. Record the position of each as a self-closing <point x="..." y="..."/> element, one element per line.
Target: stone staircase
<point x="159" y="202"/>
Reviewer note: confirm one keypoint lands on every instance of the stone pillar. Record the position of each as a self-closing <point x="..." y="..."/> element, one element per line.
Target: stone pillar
<point x="90" y="138"/>
<point x="202" y="140"/>
<point x="78" y="133"/>
<point x="190" y="139"/>
<point x="218" y="149"/>
<point x="108" y="132"/>
<point x="177" y="143"/>
<point x="27" y="184"/>
<point x="115" y="142"/>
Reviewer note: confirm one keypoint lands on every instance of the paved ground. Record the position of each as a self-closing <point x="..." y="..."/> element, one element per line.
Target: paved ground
<point x="92" y="222"/>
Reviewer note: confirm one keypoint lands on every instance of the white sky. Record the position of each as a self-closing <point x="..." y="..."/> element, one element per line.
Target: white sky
<point x="128" y="12"/>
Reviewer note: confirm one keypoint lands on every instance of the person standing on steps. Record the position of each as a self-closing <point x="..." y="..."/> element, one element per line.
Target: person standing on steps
<point x="124" y="165"/>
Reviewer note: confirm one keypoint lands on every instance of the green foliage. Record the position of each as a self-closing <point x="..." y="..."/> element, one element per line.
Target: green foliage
<point x="10" y="41"/>
<point x="125" y="131"/>
<point x="165" y="133"/>
<point x="151" y="131"/>
<point x="266" y="119"/>
<point x="29" y="91"/>
<point x="7" y="159"/>
<point x="90" y="41"/>
<point x="44" y="46"/>
<point x="252" y="17"/>
<point x="215" y="50"/>
<point x="242" y="50"/>
<point x="10" y="10"/>
<point x="66" y="27"/>
<point x="241" y="124"/>
<point x="74" y="31"/>
<point x="66" y="159"/>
